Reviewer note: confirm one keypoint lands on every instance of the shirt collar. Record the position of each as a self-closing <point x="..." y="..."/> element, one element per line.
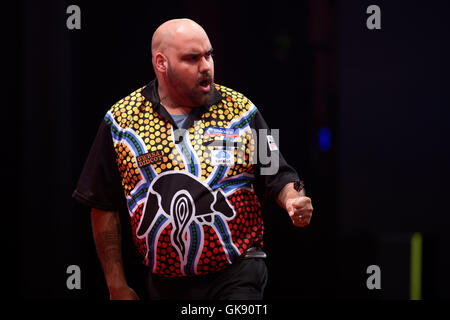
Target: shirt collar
<point x="150" y="92"/>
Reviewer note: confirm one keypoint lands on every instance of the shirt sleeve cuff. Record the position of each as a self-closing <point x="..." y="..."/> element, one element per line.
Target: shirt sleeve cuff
<point x="87" y="201"/>
<point x="281" y="181"/>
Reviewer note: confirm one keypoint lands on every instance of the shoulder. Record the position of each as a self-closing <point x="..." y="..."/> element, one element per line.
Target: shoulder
<point x="234" y="107"/>
<point x="124" y="110"/>
<point x="233" y="98"/>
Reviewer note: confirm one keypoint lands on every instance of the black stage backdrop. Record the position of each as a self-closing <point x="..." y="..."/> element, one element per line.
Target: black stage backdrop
<point x="383" y="95"/>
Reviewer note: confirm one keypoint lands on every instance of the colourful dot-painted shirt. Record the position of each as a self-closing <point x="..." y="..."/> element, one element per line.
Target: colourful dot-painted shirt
<point x="191" y="192"/>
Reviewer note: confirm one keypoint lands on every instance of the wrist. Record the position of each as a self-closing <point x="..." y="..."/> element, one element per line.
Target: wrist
<point x="117" y="286"/>
<point x="116" y="282"/>
<point x="290" y="191"/>
<point x="285" y="194"/>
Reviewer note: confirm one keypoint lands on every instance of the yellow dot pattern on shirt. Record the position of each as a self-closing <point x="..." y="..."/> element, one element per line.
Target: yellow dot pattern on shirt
<point x="243" y="154"/>
<point x="127" y="167"/>
<point x="137" y="113"/>
<point x="232" y="105"/>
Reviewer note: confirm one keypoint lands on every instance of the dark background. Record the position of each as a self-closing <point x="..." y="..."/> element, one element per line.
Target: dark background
<point x="382" y="93"/>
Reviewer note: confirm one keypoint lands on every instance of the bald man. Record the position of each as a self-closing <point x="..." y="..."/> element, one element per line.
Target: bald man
<point x="179" y="152"/>
<point x="183" y="63"/>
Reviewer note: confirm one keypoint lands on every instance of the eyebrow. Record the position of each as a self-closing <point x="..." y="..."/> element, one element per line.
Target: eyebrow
<point x="194" y="55"/>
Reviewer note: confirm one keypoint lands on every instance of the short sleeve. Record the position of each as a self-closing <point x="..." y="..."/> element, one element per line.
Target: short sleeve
<point x="99" y="185"/>
<point x="270" y="185"/>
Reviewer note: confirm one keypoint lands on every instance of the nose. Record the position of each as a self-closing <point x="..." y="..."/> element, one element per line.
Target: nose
<point x="205" y="64"/>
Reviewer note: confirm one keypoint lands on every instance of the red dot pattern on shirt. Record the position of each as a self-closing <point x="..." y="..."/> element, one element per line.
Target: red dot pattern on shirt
<point x="213" y="257"/>
<point x="247" y="227"/>
<point x="167" y="258"/>
<point x="246" y="230"/>
<point x="141" y="244"/>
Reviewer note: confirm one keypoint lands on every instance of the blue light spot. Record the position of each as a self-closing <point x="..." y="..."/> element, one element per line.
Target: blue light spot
<point x="324" y="139"/>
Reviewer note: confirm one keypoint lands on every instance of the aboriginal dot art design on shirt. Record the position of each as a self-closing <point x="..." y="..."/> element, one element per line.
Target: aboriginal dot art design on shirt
<point x="174" y="241"/>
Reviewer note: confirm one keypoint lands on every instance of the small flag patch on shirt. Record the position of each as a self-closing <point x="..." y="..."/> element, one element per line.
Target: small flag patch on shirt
<point x="272" y="144"/>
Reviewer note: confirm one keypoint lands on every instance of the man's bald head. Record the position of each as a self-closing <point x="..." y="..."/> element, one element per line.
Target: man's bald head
<point x="174" y="33"/>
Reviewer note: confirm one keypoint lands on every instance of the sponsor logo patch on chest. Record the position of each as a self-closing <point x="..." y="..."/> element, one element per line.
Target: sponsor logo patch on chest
<point x="223" y="157"/>
<point x="221" y="132"/>
<point x="148" y="158"/>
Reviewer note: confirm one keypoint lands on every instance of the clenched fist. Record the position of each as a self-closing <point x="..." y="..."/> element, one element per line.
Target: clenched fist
<point x="300" y="210"/>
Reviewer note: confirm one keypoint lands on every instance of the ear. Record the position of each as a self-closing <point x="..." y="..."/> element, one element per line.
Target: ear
<point x="160" y="62"/>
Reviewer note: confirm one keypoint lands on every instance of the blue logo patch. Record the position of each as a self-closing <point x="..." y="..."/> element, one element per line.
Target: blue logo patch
<point x="223" y="132"/>
<point x="223" y="155"/>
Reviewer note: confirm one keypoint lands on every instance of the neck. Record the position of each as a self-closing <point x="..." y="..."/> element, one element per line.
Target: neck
<point x="171" y="106"/>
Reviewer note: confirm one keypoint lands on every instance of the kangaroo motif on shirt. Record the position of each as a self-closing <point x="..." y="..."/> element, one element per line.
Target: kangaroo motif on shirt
<point x="183" y="198"/>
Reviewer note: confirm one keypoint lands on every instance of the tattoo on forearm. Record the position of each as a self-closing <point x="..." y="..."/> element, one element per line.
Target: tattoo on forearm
<point x="112" y="235"/>
<point x="109" y="245"/>
<point x="111" y="257"/>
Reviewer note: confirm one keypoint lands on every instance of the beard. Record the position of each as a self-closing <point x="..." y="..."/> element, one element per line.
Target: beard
<point x="193" y="95"/>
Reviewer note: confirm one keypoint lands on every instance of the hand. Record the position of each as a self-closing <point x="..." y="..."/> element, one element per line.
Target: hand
<point x="123" y="293"/>
<point x="300" y="210"/>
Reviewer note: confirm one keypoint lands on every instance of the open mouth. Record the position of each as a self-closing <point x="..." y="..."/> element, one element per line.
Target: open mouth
<point x="205" y="85"/>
